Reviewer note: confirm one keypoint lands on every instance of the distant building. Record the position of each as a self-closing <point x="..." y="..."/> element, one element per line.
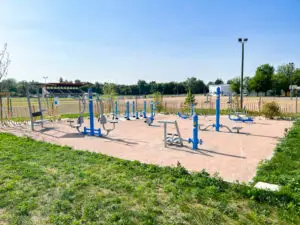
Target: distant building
<point x="225" y="89"/>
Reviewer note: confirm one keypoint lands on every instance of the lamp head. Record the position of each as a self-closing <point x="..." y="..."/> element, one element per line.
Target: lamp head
<point x="240" y="39"/>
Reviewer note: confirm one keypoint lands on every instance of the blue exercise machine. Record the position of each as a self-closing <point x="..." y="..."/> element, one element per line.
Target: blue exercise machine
<point x="149" y="119"/>
<point x="187" y="116"/>
<point x="217" y="125"/>
<point x="145" y="110"/>
<point x="176" y="139"/>
<point x="91" y="131"/>
<point x="116" y="111"/>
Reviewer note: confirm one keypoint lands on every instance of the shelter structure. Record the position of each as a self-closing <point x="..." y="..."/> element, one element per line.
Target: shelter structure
<point x="63" y="90"/>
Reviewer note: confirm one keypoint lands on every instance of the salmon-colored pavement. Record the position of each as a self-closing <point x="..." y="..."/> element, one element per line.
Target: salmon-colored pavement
<point x="234" y="156"/>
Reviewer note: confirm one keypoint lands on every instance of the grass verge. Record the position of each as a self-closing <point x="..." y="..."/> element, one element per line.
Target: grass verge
<point x="42" y="183"/>
<point x="284" y="167"/>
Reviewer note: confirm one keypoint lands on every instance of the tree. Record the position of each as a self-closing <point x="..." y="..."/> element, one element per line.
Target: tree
<point x="4" y="61"/>
<point x="190" y="99"/>
<point x="247" y="84"/>
<point x="195" y="85"/>
<point x="143" y="87"/>
<point x="61" y="80"/>
<point x="158" y="99"/>
<point x="262" y="80"/>
<point x="110" y="90"/>
<point x="21" y="88"/>
<point x="285" y="74"/>
<point x="219" y="81"/>
<point x="296" y="77"/>
<point x="9" y="85"/>
<point x="235" y="85"/>
<point x="77" y="81"/>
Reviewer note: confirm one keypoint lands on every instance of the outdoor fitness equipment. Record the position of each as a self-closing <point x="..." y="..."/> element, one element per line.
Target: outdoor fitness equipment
<point x="79" y="120"/>
<point x="135" y="113"/>
<point x="217" y="125"/>
<point x="149" y="119"/>
<point x="39" y="113"/>
<point x="103" y="120"/>
<point x="116" y="111"/>
<point x="176" y="139"/>
<point x="240" y="117"/>
<point x="183" y="116"/>
<point x="91" y="131"/>
<point x="127" y="112"/>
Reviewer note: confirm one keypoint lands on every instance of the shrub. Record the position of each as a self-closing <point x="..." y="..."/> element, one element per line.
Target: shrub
<point x="189" y="100"/>
<point x="158" y="99"/>
<point x="270" y="110"/>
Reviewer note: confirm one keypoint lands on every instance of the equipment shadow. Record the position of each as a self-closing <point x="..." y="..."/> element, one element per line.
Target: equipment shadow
<point x="119" y="140"/>
<point x="246" y="133"/>
<point x="204" y="152"/>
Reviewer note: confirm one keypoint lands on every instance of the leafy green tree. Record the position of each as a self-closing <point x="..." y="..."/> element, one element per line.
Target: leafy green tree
<point x="285" y="76"/>
<point x="219" y="81"/>
<point x="143" y="87"/>
<point x="262" y="81"/>
<point x="21" y="88"/>
<point x="195" y="85"/>
<point x="190" y="99"/>
<point x="235" y="85"/>
<point x="296" y="77"/>
<point x="110" y="90"/>
<point x="280" y="83"/>
<point x="9" y="85"/>
<point x="247" y="84"/>
<point x="158" y="99"/>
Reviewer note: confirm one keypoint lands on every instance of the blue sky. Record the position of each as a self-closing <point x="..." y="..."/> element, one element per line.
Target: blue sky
<point x="125" y="40"/>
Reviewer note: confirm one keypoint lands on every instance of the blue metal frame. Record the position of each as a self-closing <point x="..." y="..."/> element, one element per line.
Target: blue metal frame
<point x="127" y="113"/>
<point x="116" y="113"/>
<point x="145" y="109"/>
<point x="133" y="109"/>
<point x="91" y="130"/>
<point x="217" y="125"/>
<point x="194" y="140"/>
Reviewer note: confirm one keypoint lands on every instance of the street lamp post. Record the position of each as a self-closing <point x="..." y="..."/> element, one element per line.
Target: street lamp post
<point x="290" y="71"/>
<point x="243" y="41"/>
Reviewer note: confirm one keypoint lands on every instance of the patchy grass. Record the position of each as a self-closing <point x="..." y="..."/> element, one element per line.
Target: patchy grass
<point x="42" y="183"/>
<point x="284" y="167"/>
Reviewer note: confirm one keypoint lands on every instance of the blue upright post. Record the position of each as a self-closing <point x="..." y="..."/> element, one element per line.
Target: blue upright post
<point x="127" y="115"/>
<point x="91" y="131"/>
<point x="133" y="109"/>
<point x="192" y="109"/>
<point x="194" y="140"/>
<point x="91" y="110"/>
<point x="145" y="109"/>
<point x="116" y="110"/>
<point x="217" y="125"/>
<point x="151" y="110"/>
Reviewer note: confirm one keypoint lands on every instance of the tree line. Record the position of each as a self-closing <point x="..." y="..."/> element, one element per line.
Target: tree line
<point x="269" y="81"/>
<point x="266" y="80"/>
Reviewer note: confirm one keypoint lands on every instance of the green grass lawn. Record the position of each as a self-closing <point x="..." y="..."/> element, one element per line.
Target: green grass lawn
<point x="42" y="183"/>
<point x="284" y="167"/>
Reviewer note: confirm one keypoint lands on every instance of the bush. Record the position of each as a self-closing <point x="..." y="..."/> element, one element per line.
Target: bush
<point x="270" y="110"/>
<point x="158" y="99"/>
